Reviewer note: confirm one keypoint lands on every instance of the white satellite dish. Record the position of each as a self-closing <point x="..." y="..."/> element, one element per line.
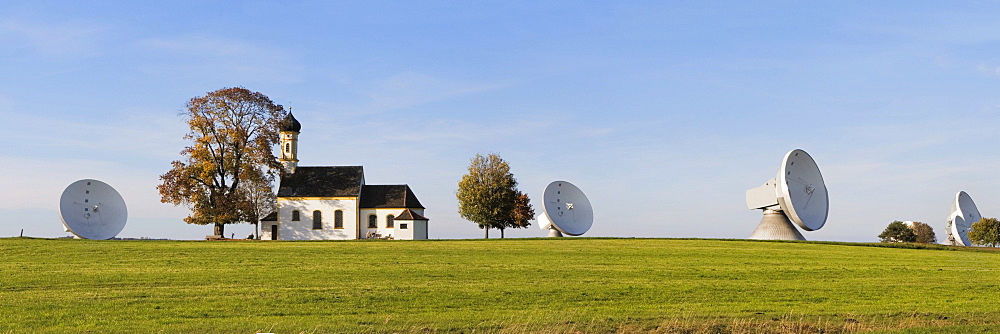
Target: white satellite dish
<point x="963" y="214"/>
<point x="92" y="209"/>
<point x="797" y="194"/>
<point x="565" y="209"/>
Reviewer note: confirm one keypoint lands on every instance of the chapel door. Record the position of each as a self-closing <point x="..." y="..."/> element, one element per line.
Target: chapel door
<point x="274" y="232"/>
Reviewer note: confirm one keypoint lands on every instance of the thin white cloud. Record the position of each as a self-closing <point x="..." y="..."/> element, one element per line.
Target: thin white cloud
<point x="409" y="89"/>
<point x="142" y="133"/>
<point x="210" y="56"/>
<point x="405" y="90"/>
<point x="988" y="69"/>
<point x="67" y="38"/>
<point x="465" y="131"/>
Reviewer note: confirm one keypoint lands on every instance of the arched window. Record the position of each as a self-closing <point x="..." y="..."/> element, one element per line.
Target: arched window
<point x="372" y="221"/>
<point x="295" y="215"/>
<point x="288" y="147"/>
<point x="389" y="221"/>
<point x="317" y="220"/>
<point x="338" y="219"/>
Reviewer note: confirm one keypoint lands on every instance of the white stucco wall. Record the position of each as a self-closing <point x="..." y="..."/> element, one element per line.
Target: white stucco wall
<point x="404" y="234"/>
<point x="415" y="230"/>
<point x="419" y="229"/>
<point x="265" y="230"/>
<point x="303" y="229"/>
<point x="381" y="216"/>
<point x="355" y="221"/>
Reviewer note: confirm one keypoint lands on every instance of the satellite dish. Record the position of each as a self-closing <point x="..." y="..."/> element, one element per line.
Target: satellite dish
<point x="797" y="194"/>
<point x="565" y="209"/>
<point x="92" y="209"/>
<point x="963" y="214"/>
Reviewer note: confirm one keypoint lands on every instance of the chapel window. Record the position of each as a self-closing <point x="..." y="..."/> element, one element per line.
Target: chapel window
<point x="403" y="226"/>
<point x="389" y="221"/>
<point x="295" y="215"/>
<point x="372" y="221"/>
<point x="317" y="220"/>
<point x="338" y="219"/>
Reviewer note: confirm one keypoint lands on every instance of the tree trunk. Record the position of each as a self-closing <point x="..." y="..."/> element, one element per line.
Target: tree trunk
<point x="487" y="229"/>
<point x="501" y="233"/>
<point x="219" y="229"/>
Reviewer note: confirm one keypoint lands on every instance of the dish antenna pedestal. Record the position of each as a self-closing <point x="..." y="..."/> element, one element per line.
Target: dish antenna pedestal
<point x="775" y="226"/>
<point x="546" y="224"/>
<point x="797" y="195"/>
<point x="565" y="209"/>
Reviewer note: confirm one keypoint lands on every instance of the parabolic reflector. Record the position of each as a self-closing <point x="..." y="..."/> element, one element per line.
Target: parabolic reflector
<point x="801" y="191"/>
<point x="566" y="208"/>
<point x="92" y="209"/>
<point x="964" y="213"/>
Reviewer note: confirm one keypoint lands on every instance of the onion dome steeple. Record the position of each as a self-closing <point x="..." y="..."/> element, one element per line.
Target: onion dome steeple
<point x="289" y="129"/>
<point x="289" y="124"/>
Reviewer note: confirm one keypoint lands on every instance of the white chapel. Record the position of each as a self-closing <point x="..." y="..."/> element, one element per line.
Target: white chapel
<point x="334" y="203"/>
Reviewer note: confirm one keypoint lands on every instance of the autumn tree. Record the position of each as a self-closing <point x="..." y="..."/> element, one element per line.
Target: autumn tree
<point x="924" y="233"/>
<point x="985" y="232"/>
<point x="523" y="212"/>
<point x="232" y="133"/>
<point x="488" y="196"/>
<point x="897" y="231"/>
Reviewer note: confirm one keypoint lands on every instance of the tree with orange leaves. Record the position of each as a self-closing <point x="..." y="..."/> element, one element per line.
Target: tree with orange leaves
<point x="233" y="131"/>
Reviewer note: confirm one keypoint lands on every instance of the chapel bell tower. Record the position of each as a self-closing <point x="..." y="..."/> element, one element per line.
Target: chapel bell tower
<point x="289" y="129"/>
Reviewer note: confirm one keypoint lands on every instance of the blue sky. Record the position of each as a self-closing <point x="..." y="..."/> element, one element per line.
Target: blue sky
<point x="663" y="113"/>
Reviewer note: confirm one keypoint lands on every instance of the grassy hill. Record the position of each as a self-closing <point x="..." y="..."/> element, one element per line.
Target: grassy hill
<point x="509" y="286"/>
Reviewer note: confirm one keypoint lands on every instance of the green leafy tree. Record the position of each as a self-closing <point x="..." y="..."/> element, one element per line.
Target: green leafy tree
<point x="232" y="134"/>
<point x="897" y="231"/>
<point x="985" y="232"/>
<point x="488" y="196"/>
<point x="924" y="233"/>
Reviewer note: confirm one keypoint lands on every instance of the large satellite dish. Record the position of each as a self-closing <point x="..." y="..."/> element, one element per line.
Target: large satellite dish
<point x="797" y="194"/>
<point x="92" y="209"/>
<point x="565" y="209"/>
<point x="963" y="214"/>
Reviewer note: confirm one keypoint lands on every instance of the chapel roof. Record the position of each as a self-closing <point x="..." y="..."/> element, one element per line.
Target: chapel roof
<point x="272" y="217"/>
<point x="289" y="123"/>
<point x="409" y="214"/>
<point x="388" y="196"/>
<point x="331" y="181"/>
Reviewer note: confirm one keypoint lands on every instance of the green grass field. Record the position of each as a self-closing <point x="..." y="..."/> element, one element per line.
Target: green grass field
<point x="486" y="286"/>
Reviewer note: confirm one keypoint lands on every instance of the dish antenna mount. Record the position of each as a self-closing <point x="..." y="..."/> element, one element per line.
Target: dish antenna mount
<point x="963" y="214"/>
<point x="92" y="209"/>
<point x="797" y="194"/>
<point x="565" y="209"/>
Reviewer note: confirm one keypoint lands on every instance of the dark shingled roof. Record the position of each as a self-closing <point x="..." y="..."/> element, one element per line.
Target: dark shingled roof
<point x="410" y="215"/>
<point x="273" y="217"/>
<point x="289" y="123"/>
<point x="388" y="196"/>
<point x="334" y="181"/>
